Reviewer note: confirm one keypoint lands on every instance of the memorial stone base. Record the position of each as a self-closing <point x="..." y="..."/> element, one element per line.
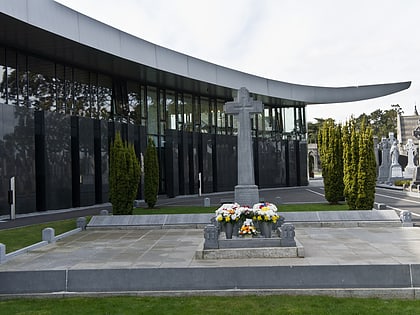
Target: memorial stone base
<point x="247" y="195"/>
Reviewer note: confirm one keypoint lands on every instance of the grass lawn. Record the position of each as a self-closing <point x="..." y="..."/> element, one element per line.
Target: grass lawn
<point x="21" y="237"/>
<point x="275" y="304"/>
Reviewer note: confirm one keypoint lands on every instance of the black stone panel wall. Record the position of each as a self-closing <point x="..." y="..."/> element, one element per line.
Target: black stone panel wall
<point x="86" y="152"/>
<point x="293" y="151"/>
<point x="193" y="152"/>
<point x="303" y="163"/>
<point x="206" y="147"/>
<point x="58" y="161"/>
<point x="226" y="170"/>
<point x="17" y="157"/>
<point x="184" y="162"/>
<point x="172" y="163"/>
<point x="270" y="163"/>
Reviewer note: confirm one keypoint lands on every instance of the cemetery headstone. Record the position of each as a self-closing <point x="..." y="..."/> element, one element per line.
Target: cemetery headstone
<point x="411" y="151"/>
<point x="287" y="235"/>
<point x="211" y="237"/>
<point x="383" y="173"/>
<point x="395" y="170"/>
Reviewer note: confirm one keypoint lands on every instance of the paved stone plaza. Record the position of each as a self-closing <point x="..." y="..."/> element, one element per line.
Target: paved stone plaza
<point x="175" y="248"/>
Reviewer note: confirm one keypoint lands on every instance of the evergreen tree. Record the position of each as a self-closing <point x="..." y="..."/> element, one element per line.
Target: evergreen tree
<point x="366" y="174"/>
<point x="151" y="174"/>
<point x="351" y="162"/>
<point x="330" y="149"/>
<point x="124" y="176"/>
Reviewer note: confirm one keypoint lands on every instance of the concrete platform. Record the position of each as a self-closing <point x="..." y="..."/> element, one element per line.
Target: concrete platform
<point x="351" y="218"/>
<point x="163" y="261"/>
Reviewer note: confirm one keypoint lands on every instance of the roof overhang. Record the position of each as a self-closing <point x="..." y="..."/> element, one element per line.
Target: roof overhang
<point x="67" y="36"/>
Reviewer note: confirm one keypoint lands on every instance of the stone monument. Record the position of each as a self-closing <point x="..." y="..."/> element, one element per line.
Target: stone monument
<point x="416" y="174"/>
<point x="395" y="170"/>
<point x="383" y="173"/>
<point x="246" y="192"/>
<point x="411" y="151"/>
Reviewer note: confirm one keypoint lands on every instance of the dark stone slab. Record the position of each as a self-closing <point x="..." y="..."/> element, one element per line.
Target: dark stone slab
<point x="21" y="282"/>
<point x="415" y="272"/>
<point x="281" y="277"/>
<point x="150" y="220"/>
<point x="249" y="243"/>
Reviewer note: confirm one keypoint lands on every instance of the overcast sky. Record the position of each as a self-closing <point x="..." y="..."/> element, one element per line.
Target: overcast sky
<point x="322" y="42"/>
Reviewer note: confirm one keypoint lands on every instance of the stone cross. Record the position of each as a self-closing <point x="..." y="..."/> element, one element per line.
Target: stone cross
<point x="246" y="193"/>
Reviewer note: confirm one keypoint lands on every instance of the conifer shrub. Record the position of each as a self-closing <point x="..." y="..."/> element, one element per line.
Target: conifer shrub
<point x="124" y="176"/>
<point x="151" y="174"/>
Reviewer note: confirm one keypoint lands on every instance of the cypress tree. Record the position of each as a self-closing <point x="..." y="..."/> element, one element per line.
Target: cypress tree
<point x="351" y="162"/>
<point x="124" y="176"/>
<point x="366" y="170"/>
<point x="330" y="149"/>
<point x="151" y="174"/>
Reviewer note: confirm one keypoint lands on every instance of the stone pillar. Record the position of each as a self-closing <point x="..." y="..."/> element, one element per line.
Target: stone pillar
<point x="246" y="192"/>
<point x="2" y="253"/>
<point x="81" y="223"/>
<point x="48" y="234"/>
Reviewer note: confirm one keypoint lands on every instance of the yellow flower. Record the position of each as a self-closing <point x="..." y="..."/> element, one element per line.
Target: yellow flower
<point x="219" y="218"/>
<point x="227" y="219"/>
<point x="259" y="218"/>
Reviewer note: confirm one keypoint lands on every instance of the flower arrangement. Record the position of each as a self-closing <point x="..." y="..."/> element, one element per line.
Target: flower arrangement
<point x="248" y="228"/>
<point x="229" y="212"/>
<point x="265" y="211"/>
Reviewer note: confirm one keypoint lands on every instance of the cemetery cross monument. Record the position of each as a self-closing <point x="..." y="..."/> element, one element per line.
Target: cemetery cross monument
<point x="246" y="192"/>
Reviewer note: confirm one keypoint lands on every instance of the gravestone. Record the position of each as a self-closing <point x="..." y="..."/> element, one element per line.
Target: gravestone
<point x="416" y="174"/>
<point x="246" y="192"/>
<point x="395" y="170"/>
<point x="411" y="151"/>
<point x="211" y="237"/>
<point x="48" y="235"/>
<point x="287" y="235"/>
<point x="405" y="217"/>
<point x="383" y="173"/>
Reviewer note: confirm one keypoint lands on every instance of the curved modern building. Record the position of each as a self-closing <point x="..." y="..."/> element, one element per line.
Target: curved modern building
<point x="68" y="83"/>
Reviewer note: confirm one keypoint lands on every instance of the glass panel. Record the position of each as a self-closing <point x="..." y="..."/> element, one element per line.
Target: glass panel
<point x="288" y="119"/>
<point x="41" y="83"/>
<point x="93" y="95"/>
<point x="12" y="85"/>
<point x="23" y="88"/>
<point x="220" y="118"/>
<point x="162" y="112"/>
<point x="60" y="88"/>
<point x="152" y="119"/>
<point x="81" y="93"/>
<point x="196" y="114"/>
<point x="180" y="112"/>
<point x="205" y="115"/>
<point x="134" y="102"/>
<point x="3" y="76"/>
<point x="170" y="110"/>
<point x="104" y="96"/>
<point x="188" y="107"/>
<point x="68" y="89"/>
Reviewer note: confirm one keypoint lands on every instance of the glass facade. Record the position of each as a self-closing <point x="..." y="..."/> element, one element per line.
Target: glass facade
<point x="194" y="128"/>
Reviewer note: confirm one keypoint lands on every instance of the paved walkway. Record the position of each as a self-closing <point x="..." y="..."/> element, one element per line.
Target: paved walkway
<point x="175" y="248"/>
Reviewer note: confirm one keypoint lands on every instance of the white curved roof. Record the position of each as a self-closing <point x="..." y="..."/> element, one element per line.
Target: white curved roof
<point x="72" y="36"/>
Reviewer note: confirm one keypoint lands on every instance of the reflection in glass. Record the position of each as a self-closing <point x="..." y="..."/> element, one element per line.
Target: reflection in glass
<point x="152" y="120"/>
<point x="170" y="109"/>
